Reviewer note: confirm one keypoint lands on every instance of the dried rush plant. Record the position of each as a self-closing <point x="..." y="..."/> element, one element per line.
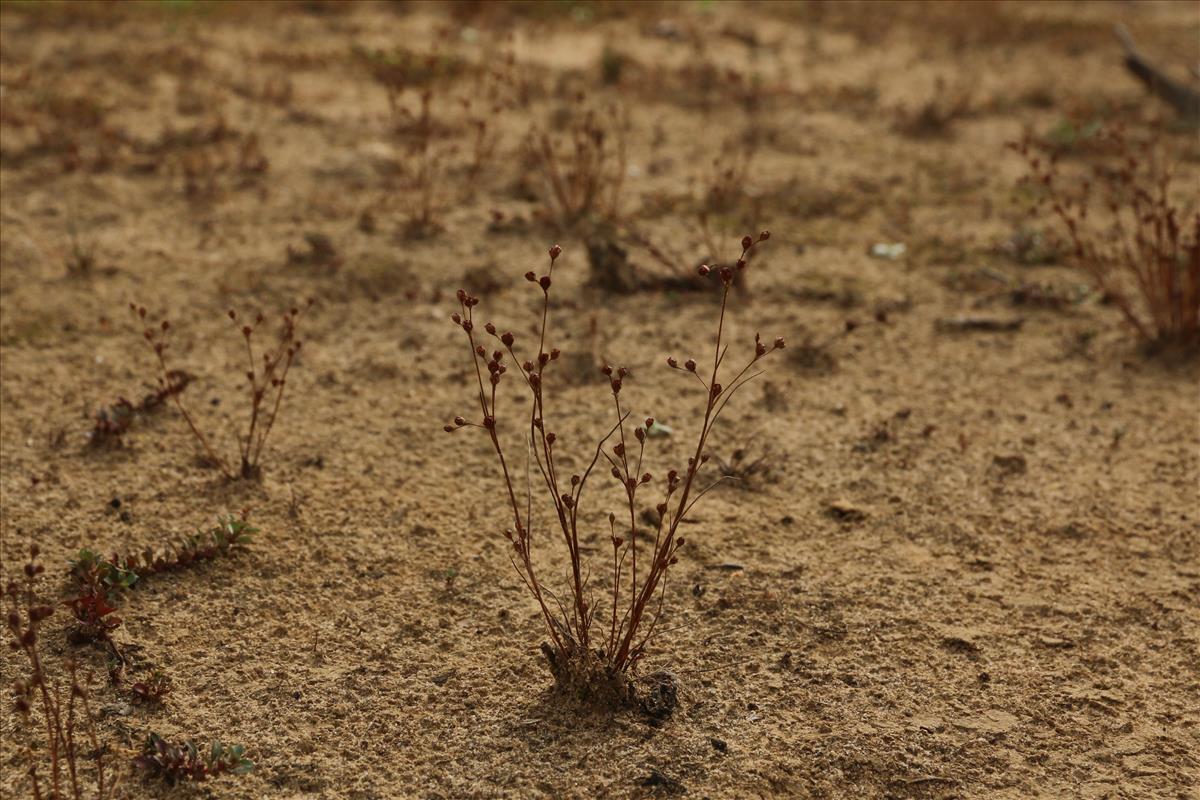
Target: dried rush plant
<point x="1148" y="245"/>
<point x="593" y="654"/>
<point x="70" y="739"/>
<point x="266" y="377"/>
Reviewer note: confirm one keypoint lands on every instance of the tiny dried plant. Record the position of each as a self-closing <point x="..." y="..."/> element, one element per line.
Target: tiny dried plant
<point x="39" y="702"/>
<point x="594" y="651"/>
<point x="267" y="368"/>
<point x="1144" y="255"/>
<point x="173" y="762"/>
<point x="419" y="97"/>
<point x="111" y="423"/>
<point x="937" y="115"/>
<point x="751" y="464"/>
<point x="582" y="166"/>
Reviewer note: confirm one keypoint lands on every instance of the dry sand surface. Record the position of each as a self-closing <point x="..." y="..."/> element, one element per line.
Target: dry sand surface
<point x="967" y="567"/>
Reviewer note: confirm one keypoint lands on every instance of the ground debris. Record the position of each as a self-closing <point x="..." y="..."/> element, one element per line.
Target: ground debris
<point x="660" y="780"/>
<point x="844" y="511"/>
<point x="977" y="324"/>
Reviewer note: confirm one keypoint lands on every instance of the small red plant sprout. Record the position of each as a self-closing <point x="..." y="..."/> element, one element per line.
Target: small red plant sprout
<point x="266" y="374"/>
<point x="590" y="660"/>
<point x="101" y="583"/>
<point x="95" y="617"/>
<point x="173" y="762"/>
<point x="153" y="689"/>
<point x="115" y="576"/>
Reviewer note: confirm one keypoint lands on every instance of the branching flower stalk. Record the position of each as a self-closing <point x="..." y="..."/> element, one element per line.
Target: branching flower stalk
<point x="267" y="381"/>
<point x="638" y="582"/>
<point x="585" y="176"/>
<point x="64" y="723"/>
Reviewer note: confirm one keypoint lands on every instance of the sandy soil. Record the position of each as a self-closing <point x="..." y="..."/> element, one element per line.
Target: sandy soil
<point x="971" y="570"/>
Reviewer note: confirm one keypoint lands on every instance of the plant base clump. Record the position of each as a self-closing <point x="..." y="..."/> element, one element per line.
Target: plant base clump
<point x="590" y="680"/>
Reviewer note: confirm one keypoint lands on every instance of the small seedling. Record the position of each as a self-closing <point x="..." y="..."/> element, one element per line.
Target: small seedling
<point x="153" y="689"/>
<point x="266" y="374"/>
<point x="593" y="653"/>
<point x="173" y="762"/>
<point x="95" y="619"/>
<point x="102" y="583"/>
<point x="114" y="577"/>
